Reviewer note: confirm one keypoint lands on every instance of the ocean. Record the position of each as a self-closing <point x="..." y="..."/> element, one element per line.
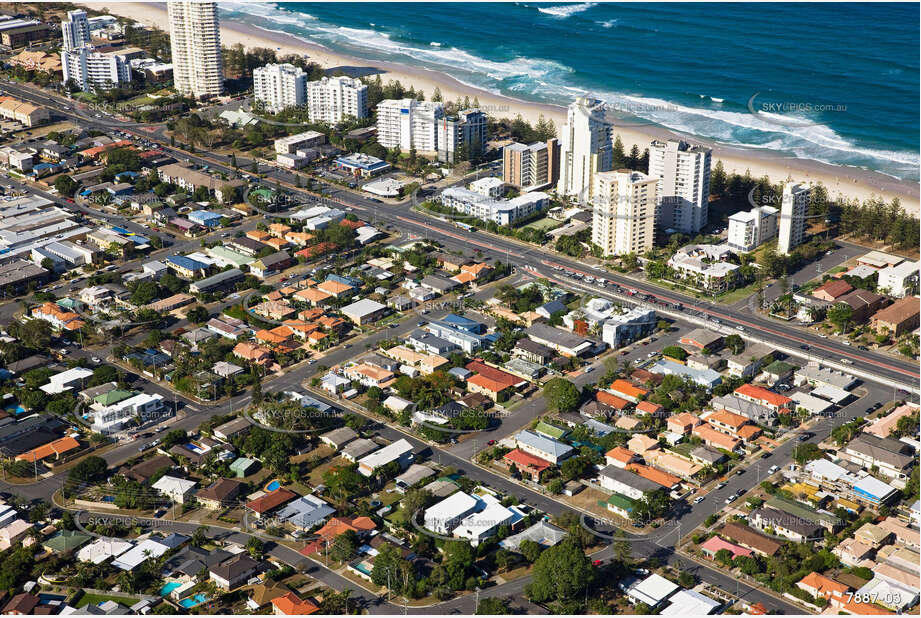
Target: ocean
<point x="836" y="83"/>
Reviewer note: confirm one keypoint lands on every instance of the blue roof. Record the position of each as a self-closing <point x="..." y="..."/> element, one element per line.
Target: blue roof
<point x="466" y="323"/>
<point x="203" y="215"/>
<point x="355" y="283"/>
<point x="187" y="263"/>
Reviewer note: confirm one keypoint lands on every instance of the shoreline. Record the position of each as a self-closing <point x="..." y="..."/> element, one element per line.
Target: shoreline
<point x="840" y="181"/>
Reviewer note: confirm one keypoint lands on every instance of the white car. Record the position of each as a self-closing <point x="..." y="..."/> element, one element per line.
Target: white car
<point x="731" y="499"/>
<point x="698" y="499"/>
<point x="773" y="469"/>
<point x="96" y="360"/>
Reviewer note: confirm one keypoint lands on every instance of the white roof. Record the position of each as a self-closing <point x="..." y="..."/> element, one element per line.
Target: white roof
<point x="454" y="506"/>
<point x="689" y="603"/>
<point x="873" y="487"/>
<point x="652" y="590"/>
<point x="173" y="486"/>
<point x="813" y="405"/>
<point x="825" y="469"/>
<point x="831" y="393"/>
<point x="135" y="556"/>
<point x="363" y="307"/>
<point x="385" y="455"/>
<point x="477" y="524"/>
<point x="57" y="382"/>
<point x="101" y="550"/>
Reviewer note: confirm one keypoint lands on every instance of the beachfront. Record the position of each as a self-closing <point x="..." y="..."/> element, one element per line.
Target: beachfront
<point x="848" y="182"/>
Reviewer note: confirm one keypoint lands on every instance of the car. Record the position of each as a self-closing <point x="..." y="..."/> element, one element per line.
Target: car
<point x="721" y="485"/>
<point x="740" y="471"/>
<point x="394" y="325"/>
<point x="420" y="323"/>
<point x="347" y="346"/>
<point x="773" y="469"/>
<point x="766" y="455"/>
<point x="804" y="436"/>
<point x="804" y="347"/>
<point x="740" y="328"/>
<point x="589" y="369"/>
<point x="698" y="499"/>
<point x="731" y="499"/>
<point x="490" y="443"/>
<point x="847" y="361"/>
<point x="597" y="563"/>
<point x="96" y="360"/>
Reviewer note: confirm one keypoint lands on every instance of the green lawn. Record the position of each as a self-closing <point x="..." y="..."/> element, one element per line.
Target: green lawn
<point x="738" y="294"/>
<point x="544" y="224"/>
<point x="96" y="599"/>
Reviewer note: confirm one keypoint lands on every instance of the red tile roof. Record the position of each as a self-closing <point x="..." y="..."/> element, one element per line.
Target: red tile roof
<point x="271" y="500"/>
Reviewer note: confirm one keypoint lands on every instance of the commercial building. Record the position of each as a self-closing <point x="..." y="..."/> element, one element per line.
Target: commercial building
<point x="333" y="99"/>
<point x="748" y="230"/>
<point x="683" y="193"/>
<point x="279" y="86"/>
<point x="195" y="37"/>
<point x="623" y="207"/>
<point x="793" y="207"/>
<point x="91" y="69"/>
<point x="361" y="165"/>
<point x="408" y="123"/>
<point x="486" y="208"/>
<point x="76" y="30"/>
<point x="292" y="143"/>
<point x="533" y="166"/>
<point x="20" y="32"/>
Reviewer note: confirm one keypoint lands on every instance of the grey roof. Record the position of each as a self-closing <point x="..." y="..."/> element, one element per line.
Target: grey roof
<point x="886" y="450"/>
<point x="222" y="278"/>
<point x="438" y="283"/>
<point x="630" y="479"/>
<point x="359" y="448"/>
<point x="556" y="336"/>
<point x="340" y="436"/>
<point x="414" y="474"/>
<point x="547" y="445"/>
<point x="787" y="521"/>
<point x="542" y="533"/>
<point x="703" y="336"/>
<point x="707" y="454"/>
<point x="234" y="426"/>
<point x="534" y="347"/>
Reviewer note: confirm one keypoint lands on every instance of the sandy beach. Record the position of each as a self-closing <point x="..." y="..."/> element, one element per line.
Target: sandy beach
<point x="847" y="182"/>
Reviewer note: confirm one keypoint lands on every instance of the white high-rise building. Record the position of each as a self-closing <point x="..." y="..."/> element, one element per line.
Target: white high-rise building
<point x="91" y="69"/>
<point x="462" y="137"/>
<point x="624" y="209"/>
<point x="408" y="123"/>
<point x="684" y="190"/>
<point x="195" y="36"/>
<point x="280" y="86"/>
<point x="585" y="148"/>
<point x="333" y="99"/>
<point x="793" y="207"/>
<point x="749" y="230"/>
<point x="76" y="30"/>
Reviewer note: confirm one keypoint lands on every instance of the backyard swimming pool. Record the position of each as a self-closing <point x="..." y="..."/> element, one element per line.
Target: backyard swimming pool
<point x="272" y="486"/>
<point x="169" y="587"/>
<point x="188" y="602"/>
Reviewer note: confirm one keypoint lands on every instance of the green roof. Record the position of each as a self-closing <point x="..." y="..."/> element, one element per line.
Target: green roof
<point x="779" y="368"/>
<point x="800" y="510"/>
<point x="241" y="465"/>
<point x="549" y="430"/>
<point x="66" y="541"/>
<point x="620" y="501"/>
<point x="113" y="397"/>
<point x="237" y="259"/>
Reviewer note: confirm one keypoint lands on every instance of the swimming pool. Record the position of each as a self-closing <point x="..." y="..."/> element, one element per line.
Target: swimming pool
<point x="15" y="409"/>
<point x="169" y="587"/>
<point x="188" y="602"/>
<point x="272" y="486"/>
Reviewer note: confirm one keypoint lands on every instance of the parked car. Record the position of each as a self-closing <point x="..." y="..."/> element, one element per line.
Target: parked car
<point x="698" y="499"/>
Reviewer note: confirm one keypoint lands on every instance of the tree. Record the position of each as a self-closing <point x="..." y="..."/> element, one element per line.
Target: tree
<point x="673" y="351"/>
<point x="560" y="574"/>
<point x="66" y="185"/>
<point x="344" y="547"/>
<point x="90" y="470"/>
<point x="144" y="293"/>
<point x="198" y="314"/>
<point x="531" y="550"/>
<point x="491" y="606"/>
<point x="255" y="547"/>
<point x="436" y="95"/>
<point x="806" y="452"/>
<point x="735" y="343"/>
<point x="840" y="315"/>
<point x="561" y="395"/>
